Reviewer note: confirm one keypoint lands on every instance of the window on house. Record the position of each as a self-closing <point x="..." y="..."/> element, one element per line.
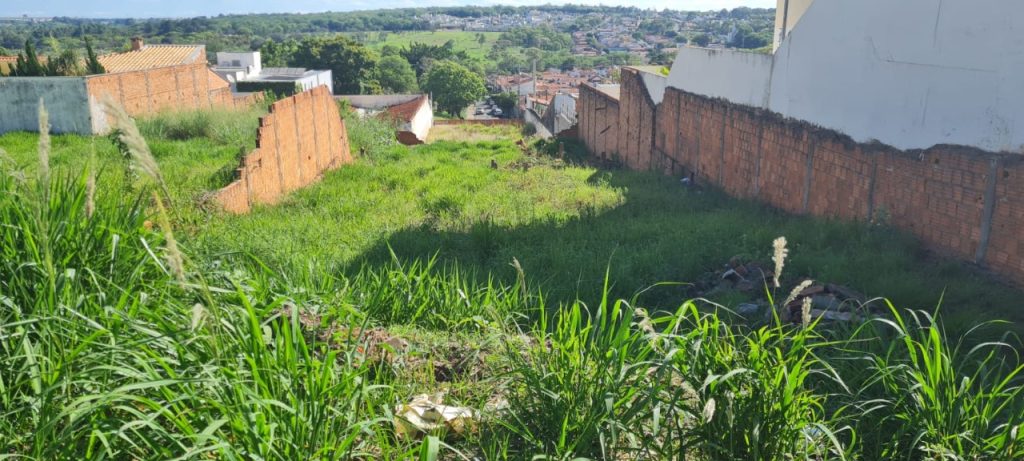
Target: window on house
<point x="236" y="63"/>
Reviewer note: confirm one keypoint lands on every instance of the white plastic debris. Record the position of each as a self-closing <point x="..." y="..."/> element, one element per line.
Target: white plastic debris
<point x="426" y="414"/>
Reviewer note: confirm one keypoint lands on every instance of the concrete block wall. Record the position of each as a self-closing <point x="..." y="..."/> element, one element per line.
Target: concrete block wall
<point x="302" y="137"/>
<point x="65" y="99"/>
<point x="959" y="201"/>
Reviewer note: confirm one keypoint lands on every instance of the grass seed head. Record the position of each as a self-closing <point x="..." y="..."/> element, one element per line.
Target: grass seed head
<point x="779" y="257"/>
<point x="805" y="312"/>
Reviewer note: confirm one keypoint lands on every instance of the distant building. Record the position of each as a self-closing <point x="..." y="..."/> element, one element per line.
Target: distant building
<point x="236" y="67"/>
<point x="7" y="63"/>
<point x="413" y="113"/>
<point x="246" y="74"/>
<point x="561" y="113"/>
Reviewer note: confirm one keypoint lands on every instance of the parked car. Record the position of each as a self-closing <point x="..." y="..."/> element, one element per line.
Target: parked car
<point x="496" y="112"/>
<point x="479" y="111"/>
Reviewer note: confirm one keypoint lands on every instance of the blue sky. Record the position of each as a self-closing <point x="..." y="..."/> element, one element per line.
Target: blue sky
<point x="187" y="8"/>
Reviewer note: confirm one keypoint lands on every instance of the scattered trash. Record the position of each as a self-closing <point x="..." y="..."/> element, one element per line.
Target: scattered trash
<point x="737" y="275"/>
<point x="425" y="414"/>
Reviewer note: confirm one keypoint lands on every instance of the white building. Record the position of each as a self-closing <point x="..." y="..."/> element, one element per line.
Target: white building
<point x="236" y="67"/>
<point x="412" y="113"/>
<point x="246" y="74"/>
<point x="911" y="73"/>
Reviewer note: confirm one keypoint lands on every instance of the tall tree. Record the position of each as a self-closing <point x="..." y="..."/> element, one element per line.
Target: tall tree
<point x="28" y="64"/>
<point x="421" y="55"/>
<point x="65" y="64"/>
<point x="453" y="86"/>
<point x="92" y="62"/>
<point x="351" y="63"/>
<point x="278" y="53"/>
<point x="396" y="75"/>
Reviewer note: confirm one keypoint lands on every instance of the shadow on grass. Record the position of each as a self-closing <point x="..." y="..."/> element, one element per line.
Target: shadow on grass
<point x="665" y="232"/>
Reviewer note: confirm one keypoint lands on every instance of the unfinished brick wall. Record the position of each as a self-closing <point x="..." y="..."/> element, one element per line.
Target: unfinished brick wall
<point x="302" y="137"/>
<point x="621" y="130"/>
<point x="189" y="86"/>
<point x="599" y="129"/>
<point x="958" y="201"/>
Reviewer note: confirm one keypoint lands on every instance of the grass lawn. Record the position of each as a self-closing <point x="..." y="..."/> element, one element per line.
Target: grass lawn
<point x="464" y="40"/>
<point x="564" y="223"/>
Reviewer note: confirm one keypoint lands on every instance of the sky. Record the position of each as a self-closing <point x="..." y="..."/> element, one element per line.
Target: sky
<point x="190" y="8"/>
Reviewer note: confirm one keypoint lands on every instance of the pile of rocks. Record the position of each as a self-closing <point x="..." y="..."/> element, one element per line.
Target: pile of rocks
<point x="828" y="301"/>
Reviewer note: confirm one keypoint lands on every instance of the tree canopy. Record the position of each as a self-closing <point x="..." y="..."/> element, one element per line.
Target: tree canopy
<point x="453" y="86"/>
<point x="351" y="63"/>
<point x="396" y="75"/>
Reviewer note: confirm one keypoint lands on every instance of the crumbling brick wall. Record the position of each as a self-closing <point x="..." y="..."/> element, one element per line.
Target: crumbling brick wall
<point x="959" y="201"/>
<point x="302" y="137"/>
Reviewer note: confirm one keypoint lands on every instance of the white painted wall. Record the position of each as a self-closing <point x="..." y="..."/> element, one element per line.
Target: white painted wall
<point x="787" y="14"/>
<point x="564" y="107"/>
<point x="321" y="77"/>
<point x="912" y="73"/>
<point x="377" y="101"/>
<point x="656" y="84"/>
<point x="739" y="76"/>
<point x="422" y="122"/>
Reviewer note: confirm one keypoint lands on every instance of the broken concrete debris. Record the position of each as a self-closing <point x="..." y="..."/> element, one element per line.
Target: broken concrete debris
<point x="828" y="301"/>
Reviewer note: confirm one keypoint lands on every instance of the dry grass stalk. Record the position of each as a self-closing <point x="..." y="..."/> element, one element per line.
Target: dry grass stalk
<point x="44" y="144"/>
<point x="135" y="145"/>
<point x="90" y="185"/>
<point x="175" y="260"/>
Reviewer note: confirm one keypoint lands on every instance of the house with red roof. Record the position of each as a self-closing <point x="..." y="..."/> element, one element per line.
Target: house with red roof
<point x="413" y="114"/>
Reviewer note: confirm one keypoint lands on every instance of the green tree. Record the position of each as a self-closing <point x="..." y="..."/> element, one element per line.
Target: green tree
<point x="505" y="101"/>
<point x="65" y="64"/>
<point x="453" y="86"/>
<point x="278" y="53"/>
<point x="701" y="39"/>
<point x="421" y="55"/>
<point x="92" y="62"/>
<point x="351" y="63"/>
<point x="396" y="75"/>
<point x="27" y="64"/>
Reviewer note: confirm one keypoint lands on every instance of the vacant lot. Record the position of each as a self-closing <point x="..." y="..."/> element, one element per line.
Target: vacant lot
<point x="488" y="274"/>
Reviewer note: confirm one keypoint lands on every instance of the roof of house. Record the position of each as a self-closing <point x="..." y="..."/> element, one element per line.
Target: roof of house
<point x="282" y="74"/>
<point x="151" y="56"/>
<point x="407" y="110"/>
<point x="400" y="107"/>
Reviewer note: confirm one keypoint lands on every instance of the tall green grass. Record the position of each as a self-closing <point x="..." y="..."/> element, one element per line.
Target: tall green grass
<point x="110" y="351"/>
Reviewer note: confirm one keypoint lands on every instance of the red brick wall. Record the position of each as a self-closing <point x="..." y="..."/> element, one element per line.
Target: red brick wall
<point x="190" y="86"/>
<point x="302" y="137"/>
<point x="958" y="201"/>
<point x="599" y="128"/>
